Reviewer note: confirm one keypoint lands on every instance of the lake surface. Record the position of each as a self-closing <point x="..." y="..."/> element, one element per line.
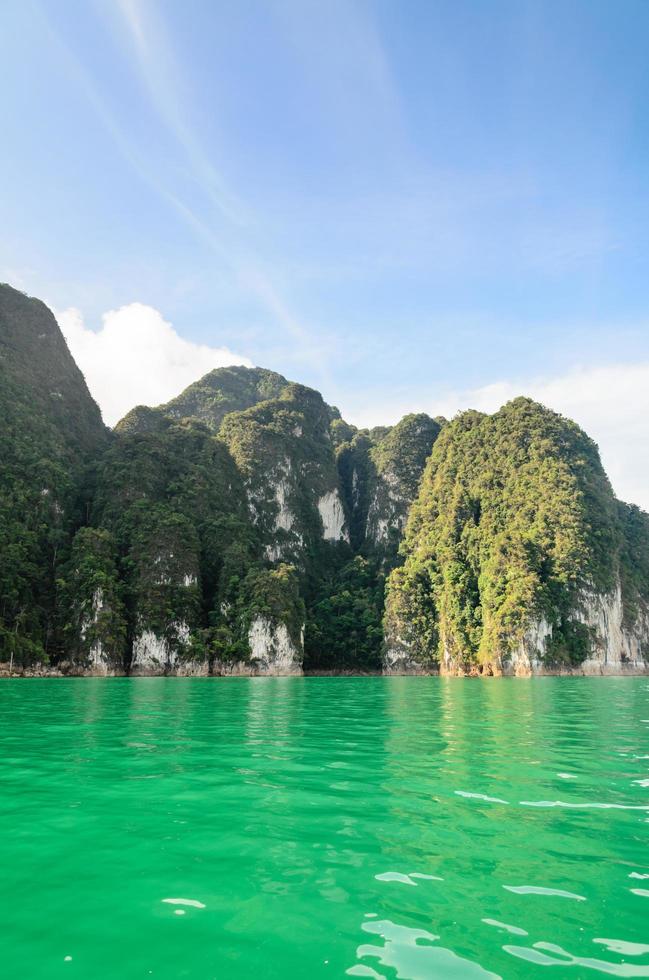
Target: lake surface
<point x="324" y="827"/>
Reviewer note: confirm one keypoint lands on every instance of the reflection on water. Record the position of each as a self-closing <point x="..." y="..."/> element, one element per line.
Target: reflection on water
<point x="412" y="953"/>
<point x="372" y="827"/>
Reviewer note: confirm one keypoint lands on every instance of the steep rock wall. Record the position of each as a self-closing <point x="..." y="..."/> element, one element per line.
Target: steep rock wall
<point x="100" y="660"/>
<point x="387" y="511"/>
<point x="400" y="658"/>
<point x="154" y="656"/>
<point x="272" y="652"/>
<point x="332" y="515"/>
<point x="616" y="647"/>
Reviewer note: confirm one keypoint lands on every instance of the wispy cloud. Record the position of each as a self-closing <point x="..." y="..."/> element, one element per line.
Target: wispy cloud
<point x="151" y="47"/>
<point x="226" y="227"/>
<point x="232" y="238"/>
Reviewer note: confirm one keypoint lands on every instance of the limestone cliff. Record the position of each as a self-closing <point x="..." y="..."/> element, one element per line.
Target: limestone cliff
<point x="518" y="558"/>
<point x="205" y="512"/>
<point x="399" y="459"/>
<point x="273" y="651"/>
<point x="50" y="431"/>
<point x="246" y="528"/>
<point x="381" y="470"/>
<point x="283" y="449"/>
<point x="615" y="646"/>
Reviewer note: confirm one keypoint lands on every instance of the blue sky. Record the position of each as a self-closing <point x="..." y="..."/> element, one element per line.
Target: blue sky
<point x="404" y="204"/>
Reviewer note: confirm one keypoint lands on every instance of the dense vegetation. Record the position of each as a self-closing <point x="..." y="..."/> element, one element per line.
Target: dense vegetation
<point x="225" y="390"/>
<point x="247" y="499"/>
<point x="50" y="429"/>
<point x="514" y="521"/>
<point x="291" y="451"/>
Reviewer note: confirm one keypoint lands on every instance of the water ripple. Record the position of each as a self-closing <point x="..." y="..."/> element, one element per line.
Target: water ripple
<point x="414" y="955"/>
<point x="623" y="947"/>
<point x="514" y="930"/>
<point x="539" y="890"/>
<point x="275" y="801"/>
<point x="191" y="902"/>
<point x="538" y="954"/>
<point x="584" y="806"/>
<point x="480" y="796"/>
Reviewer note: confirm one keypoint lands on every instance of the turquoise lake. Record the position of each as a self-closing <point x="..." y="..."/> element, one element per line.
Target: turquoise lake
<point x="324" y="827"/>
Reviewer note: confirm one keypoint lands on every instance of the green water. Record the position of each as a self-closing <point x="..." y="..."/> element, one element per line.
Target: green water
<point x="323" y="827"/>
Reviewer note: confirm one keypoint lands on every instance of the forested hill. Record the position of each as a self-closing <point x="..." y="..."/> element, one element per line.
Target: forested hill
<point x="517" y="554"/>
<point x="50" y="429"/>
<point x="245" y="527"/>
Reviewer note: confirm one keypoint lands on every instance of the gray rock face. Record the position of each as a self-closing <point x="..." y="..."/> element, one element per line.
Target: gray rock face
<point x="402" y="654"/>
<point x="154" y="655"/>
<point x="616" y="647"/>
<point x="99" y="662"/>
<point x="272" y="651"/>
<point x="387" y="512"/>
<point x="398" y="659"/>
<point x="332" y="515"/>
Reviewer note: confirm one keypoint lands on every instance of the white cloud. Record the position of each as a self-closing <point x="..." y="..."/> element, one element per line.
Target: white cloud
<point x="611" y="403"/>
<point x="137" y="358"/>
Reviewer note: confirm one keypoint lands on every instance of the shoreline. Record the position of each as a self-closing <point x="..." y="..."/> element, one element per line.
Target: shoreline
<point x="55" y="674"/>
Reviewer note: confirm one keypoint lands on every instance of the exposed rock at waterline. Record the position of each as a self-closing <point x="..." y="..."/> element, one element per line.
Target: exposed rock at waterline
<point x="272" y="650"/>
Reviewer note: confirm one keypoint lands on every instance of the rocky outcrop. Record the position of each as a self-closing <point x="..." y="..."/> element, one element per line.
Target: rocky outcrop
<point x="399" y="658"/>
<point x="399" y="459"/>
<point x="151" y="655"/>
<point x="50" y="429"/>
<point x="190" y="667"/>
<point x="154" y="656"/>
<point x="283" y="449"/>
<point x="332" y="515"/>
<point x="514" y="511"/>
<point x="380" y="470"/>
<point x="528" y="657"/>
<point x="618" y="647"/>
<point x="387" y="511"/>
<point x="99" y="660"/>
<point x="284" y="519"/>
<point x="285" y="539"/>
<point x="615" y="646"/>
<point x="273" y="652"/>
